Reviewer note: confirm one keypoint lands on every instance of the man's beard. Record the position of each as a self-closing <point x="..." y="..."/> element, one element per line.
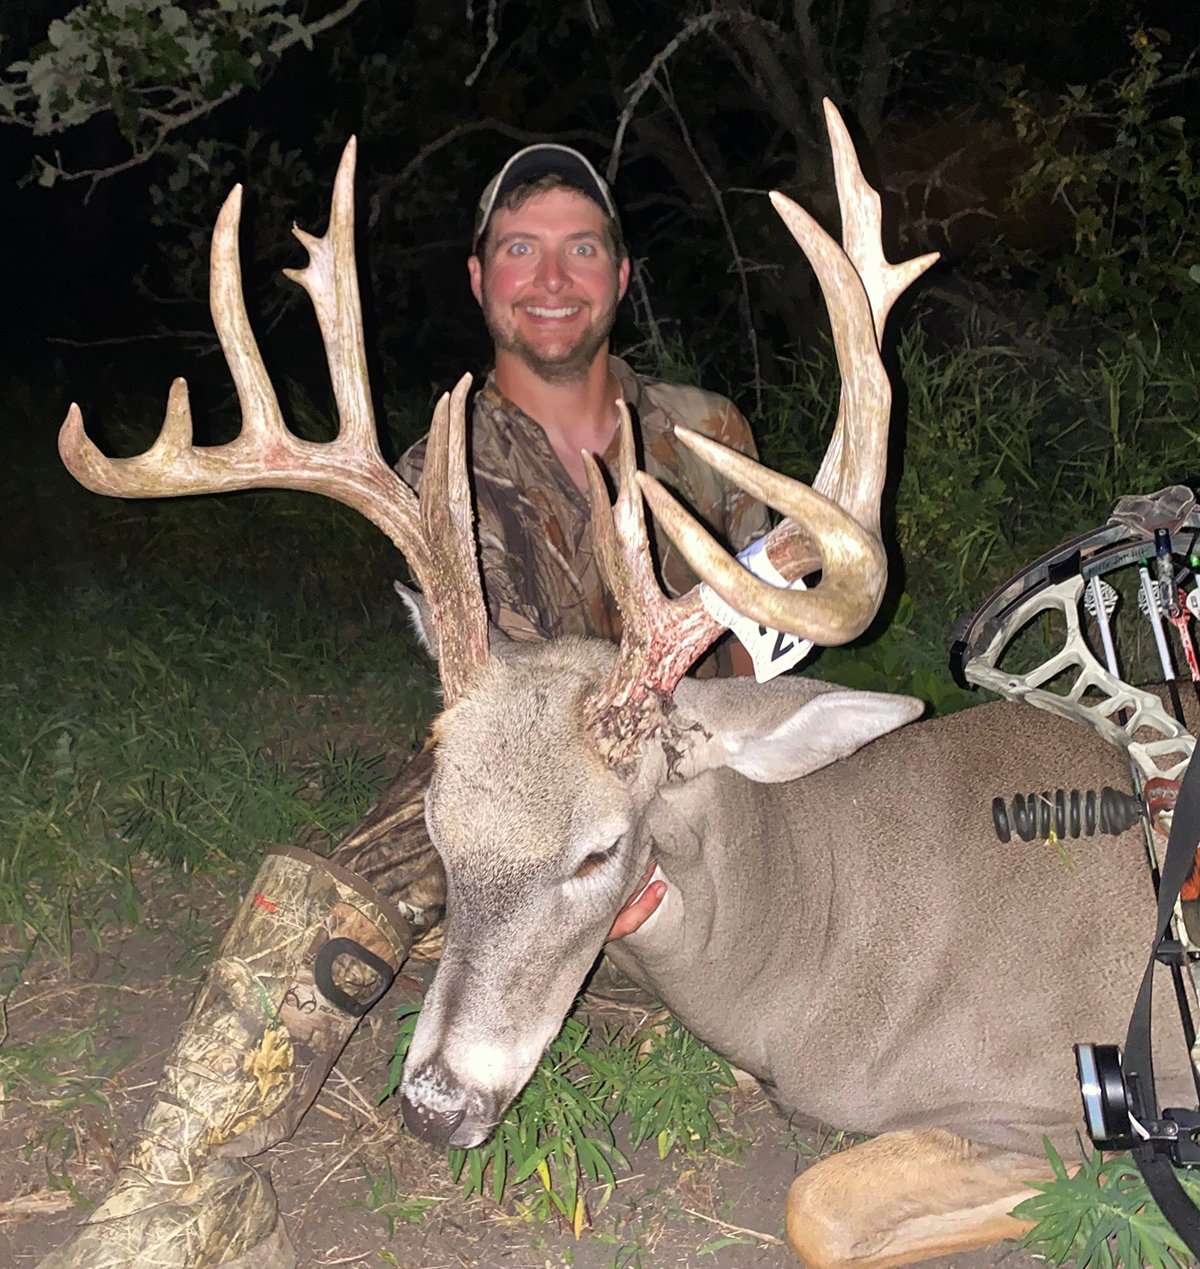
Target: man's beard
<point x="571" y="365"/>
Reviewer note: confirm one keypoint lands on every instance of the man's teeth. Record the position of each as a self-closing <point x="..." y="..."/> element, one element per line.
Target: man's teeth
<point x="537" y="311"/>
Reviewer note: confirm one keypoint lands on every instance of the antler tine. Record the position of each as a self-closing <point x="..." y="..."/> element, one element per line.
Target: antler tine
<point x="453" y="589"/>
<point x="862" y="226"/>
<point x="853" y="470"/>
<point x="660" y="637"/>
<point x="261" y="415"/>
<point x="854" y="562"/>
<point x="349" y="469"/>
<point x="331" y="280"/>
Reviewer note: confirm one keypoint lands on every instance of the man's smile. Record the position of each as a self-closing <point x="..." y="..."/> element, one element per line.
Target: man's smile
<point x="544" y="313"/>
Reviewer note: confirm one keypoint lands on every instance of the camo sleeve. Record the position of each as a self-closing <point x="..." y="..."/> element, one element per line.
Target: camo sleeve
<point x="536" y="583"/>
<point x="745" y="519"/>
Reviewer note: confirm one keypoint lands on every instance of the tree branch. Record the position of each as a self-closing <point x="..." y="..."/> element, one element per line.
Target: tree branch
<point x="387" y="187"/>
<point x="170" y="124"/>
<point x="744" y="310"/>
<point x="816" y="75"/>
<point x="876" y="64"/>
<point x="492" y="40"/>
<point x="691" y="28"/>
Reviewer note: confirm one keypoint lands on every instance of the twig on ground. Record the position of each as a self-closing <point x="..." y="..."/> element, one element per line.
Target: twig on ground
<point x="69" y="988"/>
<point x="736" y="1229"/>
<point x="36" y="1204"/>
<point x="338" y="1166"/>
<point x="359" y="1102"/>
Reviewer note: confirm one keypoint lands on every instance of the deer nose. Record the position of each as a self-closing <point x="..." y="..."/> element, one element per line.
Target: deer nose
<point x="433" y="1124"/>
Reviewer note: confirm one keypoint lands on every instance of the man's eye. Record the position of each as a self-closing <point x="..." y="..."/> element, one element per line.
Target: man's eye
<point x="585" y="249"/>
<point x="518" y="249"/>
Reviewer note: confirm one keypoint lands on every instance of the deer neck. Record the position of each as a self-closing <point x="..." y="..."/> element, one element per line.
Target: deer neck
<point x="735" y="879"/>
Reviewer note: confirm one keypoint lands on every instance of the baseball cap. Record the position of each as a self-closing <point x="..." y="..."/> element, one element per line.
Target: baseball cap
<point x="531" y="164"/>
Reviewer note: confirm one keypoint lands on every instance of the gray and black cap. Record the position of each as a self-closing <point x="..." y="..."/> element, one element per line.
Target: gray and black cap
<point x="531" y="164"/>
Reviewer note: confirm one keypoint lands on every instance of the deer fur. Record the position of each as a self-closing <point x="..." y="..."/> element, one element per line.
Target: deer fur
<point x="840" y="921"/>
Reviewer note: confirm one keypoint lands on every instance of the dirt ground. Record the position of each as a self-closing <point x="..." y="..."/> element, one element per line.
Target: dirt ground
<point x="89" y="1038"/>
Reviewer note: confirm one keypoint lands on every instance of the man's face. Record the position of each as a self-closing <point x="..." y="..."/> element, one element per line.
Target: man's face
<point x="549" y="286"/>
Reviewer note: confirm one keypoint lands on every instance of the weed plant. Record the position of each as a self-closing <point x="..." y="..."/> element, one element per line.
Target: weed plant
<point x="385" y="1200"/>
<point x="557" y="1141"/>
<point x="1103" y="1215"/>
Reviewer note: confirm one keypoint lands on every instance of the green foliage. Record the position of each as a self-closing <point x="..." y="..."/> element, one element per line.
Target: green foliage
<point x="1120" y="160"/>
<point x="384" y="1199"/>
<point x="135" y="58"/>
<point x="999" y="460"/>
<point x="1102" y="1216"/>
<point x="677" y="1086"/>
<point x="64" y="1071"/>
<point x="151" y="67"/>
<point x="557" y="1137"/>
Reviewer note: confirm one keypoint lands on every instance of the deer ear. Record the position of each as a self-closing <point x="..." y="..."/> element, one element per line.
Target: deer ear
<point x="781" y="731"/>
<point x="421" y="616"/>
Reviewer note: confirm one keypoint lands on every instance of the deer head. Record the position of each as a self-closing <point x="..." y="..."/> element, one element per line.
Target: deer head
<point x="558" y="764"/>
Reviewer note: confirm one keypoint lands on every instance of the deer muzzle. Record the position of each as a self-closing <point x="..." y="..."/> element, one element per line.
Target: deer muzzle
<point x="437" y="1108"/>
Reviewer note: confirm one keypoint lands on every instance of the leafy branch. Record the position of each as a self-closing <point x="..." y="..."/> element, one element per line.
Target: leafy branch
<point x="153" y="66"/>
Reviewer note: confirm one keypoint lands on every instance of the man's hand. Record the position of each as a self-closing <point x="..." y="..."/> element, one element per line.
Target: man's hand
<point x="638" y="909"/>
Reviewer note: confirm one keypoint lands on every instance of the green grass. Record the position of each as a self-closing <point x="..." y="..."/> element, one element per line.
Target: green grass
<point x="385" y="1200"/>
<point x="1103" y="1216"/>
<point x="62" y="1077"/>
<point x="65" y="1070"/>
<point x="141" y="728"/>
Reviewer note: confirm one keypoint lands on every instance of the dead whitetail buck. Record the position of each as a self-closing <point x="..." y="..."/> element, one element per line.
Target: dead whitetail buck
<point x="839" y="920"/>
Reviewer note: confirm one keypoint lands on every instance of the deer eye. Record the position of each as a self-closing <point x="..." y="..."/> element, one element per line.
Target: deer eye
<point x="597" y="859"/>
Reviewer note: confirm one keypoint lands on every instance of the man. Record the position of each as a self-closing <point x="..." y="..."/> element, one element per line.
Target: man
<point x="317" y="942"/>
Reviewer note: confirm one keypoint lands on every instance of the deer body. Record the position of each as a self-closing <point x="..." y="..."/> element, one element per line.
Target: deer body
<point x="855" y="938"/>
<point x="859" y="941"/>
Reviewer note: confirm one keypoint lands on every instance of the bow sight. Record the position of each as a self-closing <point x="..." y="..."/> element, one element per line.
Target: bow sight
<point x="1140" y="572"/>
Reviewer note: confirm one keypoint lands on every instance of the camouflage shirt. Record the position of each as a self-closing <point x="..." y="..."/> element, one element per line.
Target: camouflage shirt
<point x="540" y="576"/>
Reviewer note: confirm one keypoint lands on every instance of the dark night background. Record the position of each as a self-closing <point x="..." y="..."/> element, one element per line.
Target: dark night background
<point x="393" y="73"/>
<point x="1047" y="153"/>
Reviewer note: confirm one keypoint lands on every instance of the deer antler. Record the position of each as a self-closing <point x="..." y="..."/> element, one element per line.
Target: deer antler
<point x="434" y="532"/>
<point x="833" y="526"/>
<point x="660" y="637"/>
